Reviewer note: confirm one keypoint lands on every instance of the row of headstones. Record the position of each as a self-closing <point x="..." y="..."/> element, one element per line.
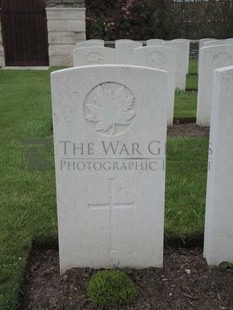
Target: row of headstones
<point x="110" y="139"/>
<point x="213" y="54"/>
<point x="170" y="56"/>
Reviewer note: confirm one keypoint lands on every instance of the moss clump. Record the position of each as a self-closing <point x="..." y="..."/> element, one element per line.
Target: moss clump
<point x="111" y="287"/>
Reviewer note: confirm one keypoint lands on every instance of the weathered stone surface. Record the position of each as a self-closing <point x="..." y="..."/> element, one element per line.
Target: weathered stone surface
<point x="211" y="58"/>
<point x="74" y="3"/>
<point x="213" y="42"/>
<point x="163" y="58"/>
<point x="61" y="60"/>
<point x="93" y="42"/>
<point x="186" y="46"/>
<point x="2" y="61"/>
<point x="202" y="42"/>
<point x="218" y="243"/>
<point x="181" y="65"/>
<point x="229" y="41"/>
<point x="65" y="14"/>
<point x="153" y="42"/>
<point x="122" y="41"/>
<point x="94" y="56"/>
<point x="66" y="37"/>
<point x="2" y="54"/>
<point x="110" y="135"/>
<point x="66" y="27"/>
<point x="125" y="51"/>
<point x="63" y="54"/>
<point x="62" y="49"/>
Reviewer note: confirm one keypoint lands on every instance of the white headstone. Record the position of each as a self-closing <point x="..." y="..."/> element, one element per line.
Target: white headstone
<point x="109" y="135"/>
<point x="94" y="56"/>
<point x="229" y="41"/>
<point x="187" y="51"/>
<point x="202" y="41"/>
<point x="93" y="42"/>
<point x="211" y="58"/>
<point x="201" y="44"/>
<point x="163" y="58"/>
<point x="124" y="52"/>
<point x="213" y="42"/>
<point x="218" y="243"/>
<point x="122" y="41"/>
<point x="181" y="62"/>
<point x="153" y="42"/>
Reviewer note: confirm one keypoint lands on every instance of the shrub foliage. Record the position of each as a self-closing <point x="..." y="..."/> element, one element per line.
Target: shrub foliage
<point x="111" y="287"/>
<point x="165" y="19"/>
<point x="140" y="20"/>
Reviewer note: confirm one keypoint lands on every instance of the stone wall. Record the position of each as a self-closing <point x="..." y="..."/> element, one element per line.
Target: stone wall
<point x="2" y="54"/>
<point x="66" y="26"/>
<point x="69" y="3"/>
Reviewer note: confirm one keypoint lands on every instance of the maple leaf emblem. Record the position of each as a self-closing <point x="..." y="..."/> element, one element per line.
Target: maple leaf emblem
<point x="111" y="108"/>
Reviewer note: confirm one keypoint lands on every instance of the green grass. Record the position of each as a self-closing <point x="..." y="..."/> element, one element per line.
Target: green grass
<point x="192" y="82"/>
<point x="185" y="105"/>
<point x="193" y="64"/>
<point x="27" y="205"/>
<point x="28" y="202"/>
<point x="192" y="78"/>
<point x="186" y="102"/>
<point x="185" y="186"/>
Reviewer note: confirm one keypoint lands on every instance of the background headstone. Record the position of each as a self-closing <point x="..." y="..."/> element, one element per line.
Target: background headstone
<point x="110" y="134"/>
<point x="187" y="51"/>
<point x="181" y="62"/>
<point x="218" y="243"/>
<point x="213" y="42"/>
<point x="201" y="44"/>
<point x="202" y="41"/>
<point x="124" y="51"/>
<point x="211" y="58"/>
<point x="163" y="58"/>
<point x="229" y="41"/>
<point x="153" y="42"/>
<point x="93" y="42"/>
<point x="94" y="56"/>
<point x="122" y="41"/>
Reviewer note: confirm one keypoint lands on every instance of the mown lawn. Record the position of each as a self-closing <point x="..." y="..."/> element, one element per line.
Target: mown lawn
<point x="185" y="104"/>
<point x="185" y="186"/>
<point x="192" y="82"/>
<point x="28" y="199"/>
<point x="193" y="63"/>
<point x="27" y="205"/>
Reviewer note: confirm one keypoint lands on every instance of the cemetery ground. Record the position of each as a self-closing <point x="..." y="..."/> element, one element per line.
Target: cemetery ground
<point x="28" y="222"/>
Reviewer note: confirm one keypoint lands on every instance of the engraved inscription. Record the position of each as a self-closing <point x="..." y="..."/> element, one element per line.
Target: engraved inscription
<point x="110" y="205"/>
<point x="110" y="109"/>
<point x="155" y="60"/>
<point x="222" y="59"/>
<point x="94" y="58"/>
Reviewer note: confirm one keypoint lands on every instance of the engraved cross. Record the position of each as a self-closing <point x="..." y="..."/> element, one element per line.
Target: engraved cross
<point x="111" y="206"/>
